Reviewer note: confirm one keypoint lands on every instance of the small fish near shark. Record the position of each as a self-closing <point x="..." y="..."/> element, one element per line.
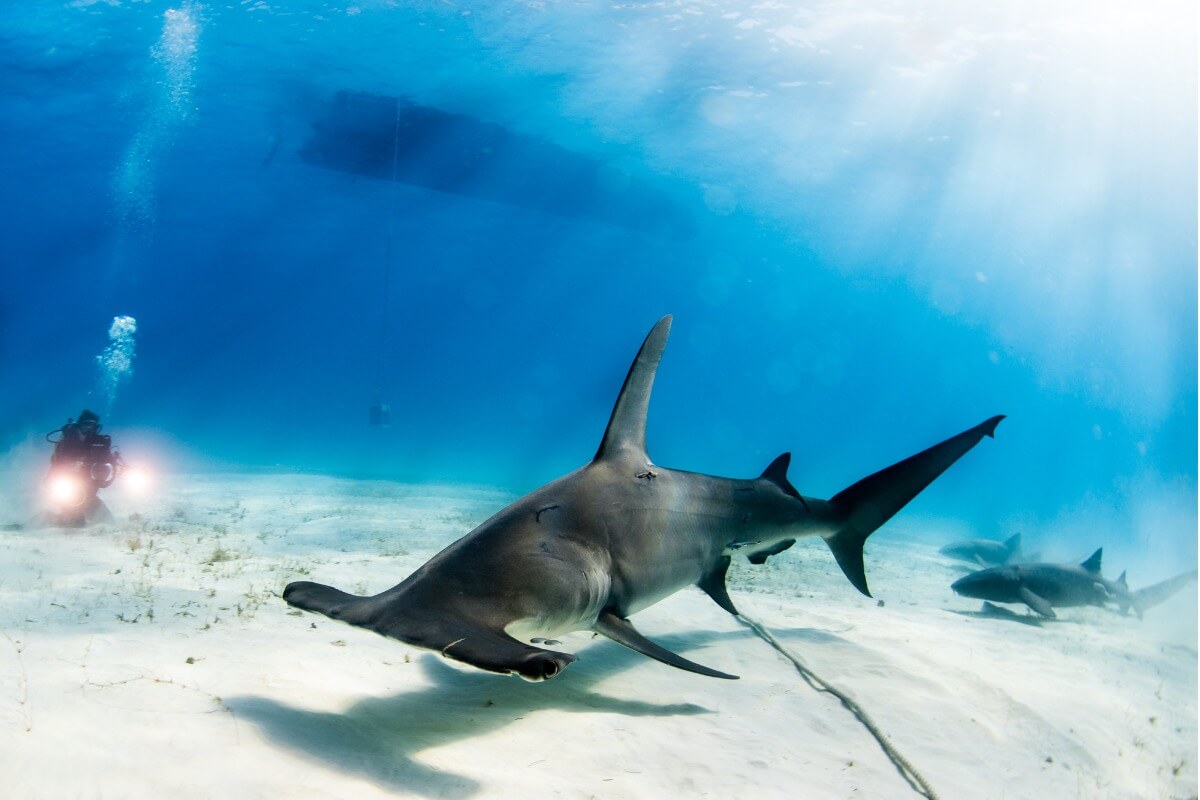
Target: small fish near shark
<point x="1043" y="587"/>
<point x="985" y="552"/>
<point x="587" y="551"/>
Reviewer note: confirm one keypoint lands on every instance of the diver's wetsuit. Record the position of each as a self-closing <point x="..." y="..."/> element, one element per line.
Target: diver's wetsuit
<point x="86" y="453"/>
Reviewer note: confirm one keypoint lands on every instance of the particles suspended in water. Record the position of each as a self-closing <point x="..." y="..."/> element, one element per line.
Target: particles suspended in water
<point x="116" y="362"/>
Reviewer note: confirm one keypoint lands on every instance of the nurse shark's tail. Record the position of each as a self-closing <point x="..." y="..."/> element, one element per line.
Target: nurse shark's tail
<point x="1145" y="599"/>
<point x="864" y="506"/>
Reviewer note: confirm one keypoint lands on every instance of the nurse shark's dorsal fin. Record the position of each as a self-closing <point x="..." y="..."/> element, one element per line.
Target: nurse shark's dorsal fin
<point x="1092" y="565"/>
<point x="626" y="432"/>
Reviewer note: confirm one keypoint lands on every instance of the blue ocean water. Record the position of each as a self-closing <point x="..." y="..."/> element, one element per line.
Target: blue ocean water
<point x="876" y="224"/>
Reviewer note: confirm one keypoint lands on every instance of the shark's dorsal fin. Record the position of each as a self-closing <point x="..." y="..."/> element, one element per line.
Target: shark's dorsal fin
<point x="1013" y="543"/>
<point x="1093" y="563"/>
<point x="1121" y="580"/>
<point x="776" y="473"/>
<point x="626" y="432"/>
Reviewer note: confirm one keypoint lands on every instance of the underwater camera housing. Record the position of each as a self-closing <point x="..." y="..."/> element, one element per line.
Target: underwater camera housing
<point x="72" y="491"/>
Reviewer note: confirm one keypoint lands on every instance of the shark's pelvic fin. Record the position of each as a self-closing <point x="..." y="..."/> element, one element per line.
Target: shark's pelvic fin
<point x="760" y="556"/>
<point x="620" y="631"/>
<point x="1125" y="600"/>
<point x="1036" y="602"/>
<point x="713" y="585"/>
<point x="872" y="501"/>
<point x="626" y="432"/>
<point x="1092" y="564"/>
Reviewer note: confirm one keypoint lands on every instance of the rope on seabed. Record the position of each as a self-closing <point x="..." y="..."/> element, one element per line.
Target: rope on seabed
<point x="906" y="770"/>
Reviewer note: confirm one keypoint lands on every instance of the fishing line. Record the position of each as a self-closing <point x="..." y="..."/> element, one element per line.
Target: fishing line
<point x="379" y="412"/>
<point x="387" y="255"/>
<point x="906" y="770"/>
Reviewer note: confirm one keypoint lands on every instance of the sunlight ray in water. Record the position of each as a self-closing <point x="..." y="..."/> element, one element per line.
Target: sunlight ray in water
<point x="322" y="306"/>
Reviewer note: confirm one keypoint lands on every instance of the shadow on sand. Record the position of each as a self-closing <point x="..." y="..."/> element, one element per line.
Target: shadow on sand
<point x="376" y="738"/>
<point x="992" y="611"/>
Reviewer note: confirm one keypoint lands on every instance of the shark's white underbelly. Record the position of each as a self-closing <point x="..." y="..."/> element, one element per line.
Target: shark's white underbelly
<point x="558" y="620"/>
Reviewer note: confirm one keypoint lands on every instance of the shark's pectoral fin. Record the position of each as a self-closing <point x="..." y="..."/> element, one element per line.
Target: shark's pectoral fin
<point x="1038" y="603"/>
<point x="622" y="632"/>
<point x="713" y="585"/>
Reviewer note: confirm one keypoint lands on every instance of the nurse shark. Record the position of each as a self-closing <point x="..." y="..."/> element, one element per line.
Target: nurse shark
<point x="985" y="552"/>
<point x="1044" y="587"/>
<point x="589" y="550"/>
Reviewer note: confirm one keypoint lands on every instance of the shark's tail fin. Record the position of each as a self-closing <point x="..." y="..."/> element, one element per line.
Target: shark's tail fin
<point x="1145" y="599"/>
<point x="866" y="505"/>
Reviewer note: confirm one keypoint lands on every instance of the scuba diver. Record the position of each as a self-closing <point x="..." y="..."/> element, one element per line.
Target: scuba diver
<point x="84" y="462"/>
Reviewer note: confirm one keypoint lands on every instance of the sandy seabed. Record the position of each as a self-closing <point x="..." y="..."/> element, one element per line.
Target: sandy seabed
<point x="154" y="658"/>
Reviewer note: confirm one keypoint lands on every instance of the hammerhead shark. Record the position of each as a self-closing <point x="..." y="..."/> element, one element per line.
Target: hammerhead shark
<point x="587" y="551"/>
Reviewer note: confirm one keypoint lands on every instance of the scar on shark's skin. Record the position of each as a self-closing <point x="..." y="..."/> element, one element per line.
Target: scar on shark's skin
<point x="615" y="548"/>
